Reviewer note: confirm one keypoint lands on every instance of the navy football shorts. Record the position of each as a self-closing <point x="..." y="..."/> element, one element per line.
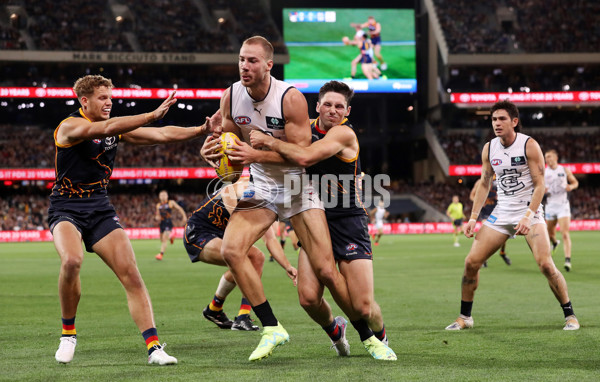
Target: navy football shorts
<point x="350" y="237"/>
<point x="195" y="238"/>
<point x="93" y="225"/>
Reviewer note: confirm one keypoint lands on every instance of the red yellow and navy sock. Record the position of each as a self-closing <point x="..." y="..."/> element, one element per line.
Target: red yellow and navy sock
<point x="244" y="307"/>
<point x="381" y="334"/>
<point x="151" y="338"/>
<point x="68" y="327"/>
<point x="333" y="331"/>
<point x="216" y="305"/>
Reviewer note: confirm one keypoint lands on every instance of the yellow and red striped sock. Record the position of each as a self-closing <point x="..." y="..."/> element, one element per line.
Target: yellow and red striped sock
<point x="244" y="307"/>
<point x="151" y="338"/>
<point x="216" y="305"/>
<point x="68" y="327"/>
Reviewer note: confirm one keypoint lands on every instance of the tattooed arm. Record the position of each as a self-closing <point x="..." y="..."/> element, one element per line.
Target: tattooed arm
<point x="487" y="175"/>
<point x="535" y="162"/>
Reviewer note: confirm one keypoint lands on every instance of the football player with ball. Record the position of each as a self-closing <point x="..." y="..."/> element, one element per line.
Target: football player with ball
<point x="260" y="102"/>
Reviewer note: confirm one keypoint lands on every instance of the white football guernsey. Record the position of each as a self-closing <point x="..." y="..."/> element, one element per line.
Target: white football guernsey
<point x="513" y="177"/>
<point x="266" y="115"/>
<point x="556" y="181"/>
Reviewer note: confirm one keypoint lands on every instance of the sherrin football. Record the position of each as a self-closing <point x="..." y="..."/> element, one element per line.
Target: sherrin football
<point x="227" y="170"/>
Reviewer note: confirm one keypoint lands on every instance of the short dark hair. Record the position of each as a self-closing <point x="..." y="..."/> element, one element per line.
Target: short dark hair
<point x="511" y="109"/>
<point x="337" y="87"/>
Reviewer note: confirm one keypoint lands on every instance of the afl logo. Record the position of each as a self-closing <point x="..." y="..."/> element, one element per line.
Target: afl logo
<point x="351" y="247"/>
<point x="242" y="120"/>
<point x="496" y="162"/>
<point x="97" y="141"/>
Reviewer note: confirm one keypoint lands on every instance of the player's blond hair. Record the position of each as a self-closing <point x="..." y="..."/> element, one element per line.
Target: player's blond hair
<point x="85" y="86"/>
<point x="266" y="45"/>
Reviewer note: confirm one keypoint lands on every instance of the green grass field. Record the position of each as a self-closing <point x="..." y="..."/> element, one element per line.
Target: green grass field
<point x="311" y="60"/>
<point x="517" y="336"/>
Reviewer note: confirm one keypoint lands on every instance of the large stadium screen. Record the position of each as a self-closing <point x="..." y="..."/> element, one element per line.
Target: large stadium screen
<point x="318" y="53"/>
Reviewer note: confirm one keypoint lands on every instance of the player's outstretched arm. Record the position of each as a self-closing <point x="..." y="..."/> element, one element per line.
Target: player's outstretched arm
<point x="169" y="134"/>
<point x="173" y="204"/>
<point x="572" y="182"/>
<point x="75" y="130"/>
<point x="275" y="249"/>
<point x="336" y="139"/>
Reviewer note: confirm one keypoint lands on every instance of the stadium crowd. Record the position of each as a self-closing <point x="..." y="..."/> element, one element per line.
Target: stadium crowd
<point x="474" y="28"/>
<point x="145" y="25"/>
<point x="519" y="78"/>
<point x="572" y="146"/>
<point x="27" y="210"/>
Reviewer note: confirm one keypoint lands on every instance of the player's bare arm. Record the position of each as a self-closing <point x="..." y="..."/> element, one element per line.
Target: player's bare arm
<point x="75" y="130"/>
<point x="572" y="182"/>
<point x="535" y="162"/>
<point x="170" y="134"/>
<point x="173" y="204"/>
<point x="157" y="216"/>
<point x="338" y="140"/>
<point x="297" y="123"/>
<point x="485" y="182"/>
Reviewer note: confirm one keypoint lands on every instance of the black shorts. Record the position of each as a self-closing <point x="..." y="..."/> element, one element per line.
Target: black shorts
<point x="93" y="225"/>
<point x="195" y="238"/>
<point x="350" y="237"/>
<point x="457" y="222"/>
<point x="166" y="225"/>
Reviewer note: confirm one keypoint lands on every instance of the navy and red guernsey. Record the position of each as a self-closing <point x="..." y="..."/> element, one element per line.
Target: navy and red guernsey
<point x="83" y="171"/>
<point x="345" y="193"/>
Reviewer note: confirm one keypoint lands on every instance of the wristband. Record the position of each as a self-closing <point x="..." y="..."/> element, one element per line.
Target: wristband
<point x="474" y="215"/>
<point x="472" y="220"/>
<point x="529" y="213"/>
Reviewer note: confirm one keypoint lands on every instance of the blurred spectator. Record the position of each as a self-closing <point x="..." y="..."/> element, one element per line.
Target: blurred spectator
<point x="541" y="26"/>
<point x="10" y="38"/>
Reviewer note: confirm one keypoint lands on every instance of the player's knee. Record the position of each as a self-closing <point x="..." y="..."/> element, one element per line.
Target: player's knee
<point x="308" y="299"/>
<point x="327" y="275"/>
<point x="131" y="278"/>
<point x="230" y="255"/>
<point x="71" y="265"/>
<point x="257" y="258"/>
<point x="472" y="265"/>
<point x="362" y="308"/>
<point x="547" y="268"/>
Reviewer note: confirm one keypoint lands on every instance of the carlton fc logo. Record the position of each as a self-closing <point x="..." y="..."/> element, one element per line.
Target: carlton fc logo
<point x="242" y="120"/>
<point x="496" y="162"/>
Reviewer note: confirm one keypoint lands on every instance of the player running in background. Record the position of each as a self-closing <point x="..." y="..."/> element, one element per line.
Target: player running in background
<point x="203" y="239"/>
<point x="86" y="146"/>
<point x="455" y="213"/>
<point x="375" y="36"/>
<point x="486" y="210"/>
<point x="379" y="214"/>
<point x="559" y="181"/>
<point x="518" y="163"/>
<point x="163" y="215"/>
<point x="334" y="152"/>
<point x="260" y="102"/>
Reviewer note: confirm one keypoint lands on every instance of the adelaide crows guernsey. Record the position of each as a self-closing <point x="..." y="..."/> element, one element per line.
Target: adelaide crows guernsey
<point x="344" y="192"/>
<point x="515" y="185"/>
<point x="83" y="170"/>
<point x="266" y="115"/>
<point x="211" y="213"/>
